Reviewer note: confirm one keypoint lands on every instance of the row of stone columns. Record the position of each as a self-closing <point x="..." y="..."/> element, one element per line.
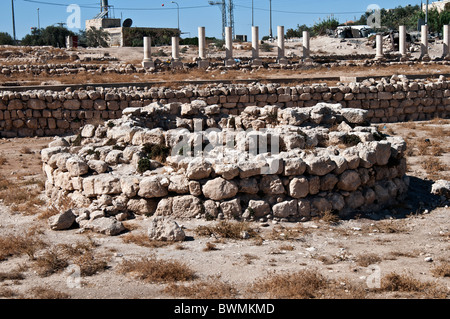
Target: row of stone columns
<point x="229" y="60"/>
<point x="424" y="56"/>
<point x="281" y="58"/>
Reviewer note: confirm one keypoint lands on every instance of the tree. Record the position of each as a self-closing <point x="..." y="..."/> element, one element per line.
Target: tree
<point x="6" y="39"/>
<point x="321" y="27"/>
<point x="297" y="33"/>
<point x="97" y="37"/>
<point x="52" y="35"/>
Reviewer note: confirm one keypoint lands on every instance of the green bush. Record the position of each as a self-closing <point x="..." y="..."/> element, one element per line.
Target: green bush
<point x="156" y="152"/>
<point x="160" y="36"/>
<point x="143" y="165"/>
<point x="6" y="39"/>
<point x="52" y="35"/>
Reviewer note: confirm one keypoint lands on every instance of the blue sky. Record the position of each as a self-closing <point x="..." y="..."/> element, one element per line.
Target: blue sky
<point x="193" y="13"/>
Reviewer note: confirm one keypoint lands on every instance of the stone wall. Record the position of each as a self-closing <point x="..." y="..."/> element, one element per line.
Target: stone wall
<point x="50" y="113"/>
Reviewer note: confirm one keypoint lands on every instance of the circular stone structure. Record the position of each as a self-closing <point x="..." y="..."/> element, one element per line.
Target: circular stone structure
<point x="191" y="161"/>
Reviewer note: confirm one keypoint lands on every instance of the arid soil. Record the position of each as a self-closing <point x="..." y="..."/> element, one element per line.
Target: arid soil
<point x="402" y="252"/>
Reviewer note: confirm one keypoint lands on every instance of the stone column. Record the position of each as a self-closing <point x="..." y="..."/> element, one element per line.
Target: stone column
<point x="306" y="47"/>
<point x="176" y="63"/>
<point x="229" y="47"/>
<point x="147" y="62"/>
<point x="379" y="42"/>
<point x="424" y="44"/>
<point x="281" y="56"/>
<point x="203" y="61"/>
<point x="446" y="40"/>
<point x="402" y="42"/>
<point x="255" y="46"/>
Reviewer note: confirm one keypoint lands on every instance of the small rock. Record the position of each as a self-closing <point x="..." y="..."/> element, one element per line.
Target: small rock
<point x="165" y="229"/>
<point x="62" y="221"/>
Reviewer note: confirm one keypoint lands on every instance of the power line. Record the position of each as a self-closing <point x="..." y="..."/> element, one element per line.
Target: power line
<point x="60" y="4"/>
<point x="298" y="12"/>
<point x="116" y="8"/>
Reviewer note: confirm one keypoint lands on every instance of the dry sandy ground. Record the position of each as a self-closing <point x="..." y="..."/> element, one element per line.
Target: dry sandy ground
<point x="407" y="241"/>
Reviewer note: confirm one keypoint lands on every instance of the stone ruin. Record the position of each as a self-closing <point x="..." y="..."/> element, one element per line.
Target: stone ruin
<point x="191" y="161"/>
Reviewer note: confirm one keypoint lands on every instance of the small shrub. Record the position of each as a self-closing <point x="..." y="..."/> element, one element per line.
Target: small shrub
<point x="211" y="289"/>
<point x="209" y="247"/>
<point x="266" y="47"/>
<point x="28" y="244"/>
<point x="329" y="218"/>
<point x="367" y="260"/>
<point x="157" y="271"/>
<point x="304" y="284"/>
<point x="441" y="270"/>
<point x="226" y="229"/>
<point x="433" y="165"/>
<point x="156" y="152"/>
<point x="143" y="165"/>
<point x="48" y="293"/>
<point x="351" y="140"/>
<point x="13" y="275"/>
<point x="51" y="262"/>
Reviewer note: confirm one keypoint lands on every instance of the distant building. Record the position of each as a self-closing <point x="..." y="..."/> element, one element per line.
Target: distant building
<point x="121" y="34"/>
<point x="439" y="5"/>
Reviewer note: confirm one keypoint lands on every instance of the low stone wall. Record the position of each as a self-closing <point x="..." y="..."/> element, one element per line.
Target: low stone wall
<point x="215" y="63"/>
<point x="39" y="113"/>
<point x="267" y="163"/>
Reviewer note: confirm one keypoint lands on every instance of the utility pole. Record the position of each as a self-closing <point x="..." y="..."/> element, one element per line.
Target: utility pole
<point x="426" y="13"/>
<point x="231" y="13"/>
<point x="223" y="9"/>
<point x="253" y="17"/>
<point x="178" y="12"/>
<point x="13" y="22"/>
<point x="270" y="31"/>
<point x="39" y="20"/>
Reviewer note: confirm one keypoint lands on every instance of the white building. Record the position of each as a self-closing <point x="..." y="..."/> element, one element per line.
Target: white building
<point x="439" y="5"/>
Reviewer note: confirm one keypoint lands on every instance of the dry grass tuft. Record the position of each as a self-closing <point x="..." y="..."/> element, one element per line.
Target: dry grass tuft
<point x="47" y="293"/>
<point x="157" y="271"/>
<point x="394" y="282"/>
<point x="226" y="229"/>
<point x="59" y="257"/>
<point x="144" y="241"/>
<point x="367" y="260"/>
<point x="22" y="195"/>
<point x="286" y="233"/>
<point x="329" y="218"/>
<point x="8" y="293"/>
<point x="50" y="262"/>
<point x="433" y="166"/>
<point x="304" y="284"/>
<point x="210" y="246"/>
<point x="389" y="227"/>
<point x="441" y="270"/>
<point x="12" y="275"/>
<point x="13" y="246"/>
<point x="210" y="289"/>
